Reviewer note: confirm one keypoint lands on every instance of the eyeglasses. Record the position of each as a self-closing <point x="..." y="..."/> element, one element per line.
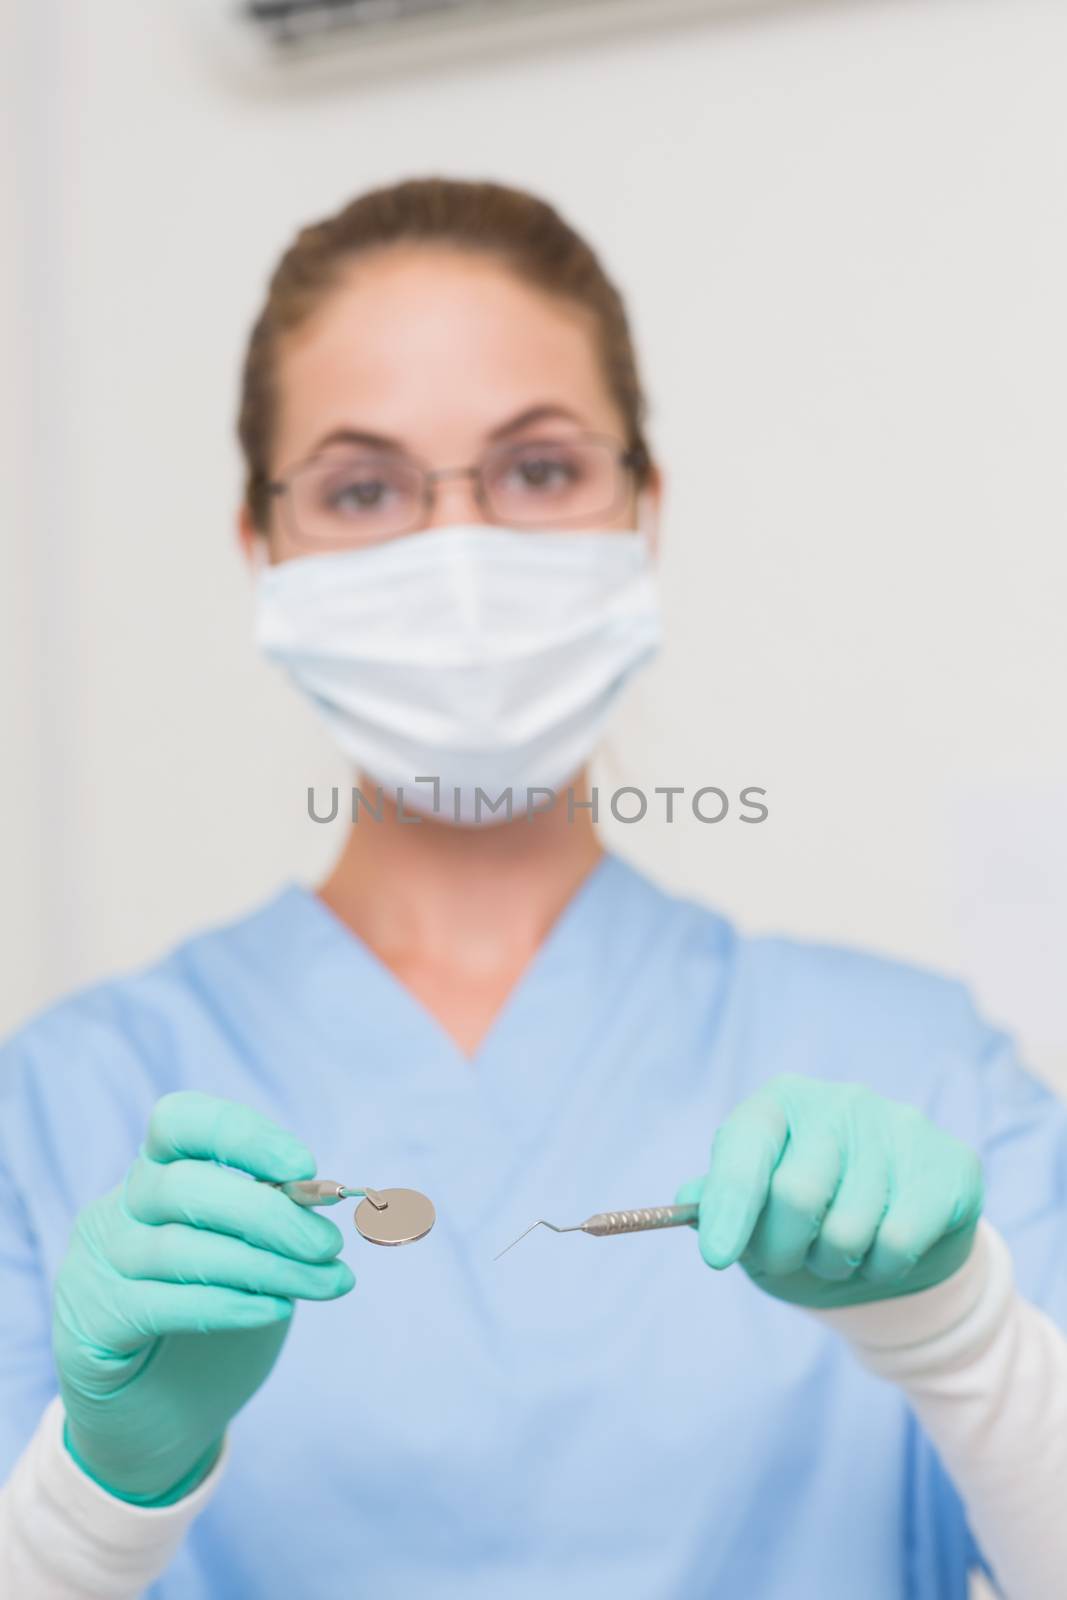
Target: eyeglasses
<point x="350" y="495"/>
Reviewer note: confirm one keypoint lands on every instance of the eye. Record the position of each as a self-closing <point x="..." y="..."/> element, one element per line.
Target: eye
<point x="356" y="496"/>
<point x="352" y="494"/>
<point x="361" y="488"/>
<point x="542" y="468"/>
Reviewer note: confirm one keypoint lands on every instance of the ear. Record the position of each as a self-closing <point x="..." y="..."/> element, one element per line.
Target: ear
<point x="254" y="543"/>
<point x="650" y="507"/>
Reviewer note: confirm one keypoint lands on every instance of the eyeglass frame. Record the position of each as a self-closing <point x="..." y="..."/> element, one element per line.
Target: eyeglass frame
<point x="632" y="457"/>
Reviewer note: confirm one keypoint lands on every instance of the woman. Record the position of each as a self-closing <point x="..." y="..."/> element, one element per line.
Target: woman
<point x="451" y="513"/>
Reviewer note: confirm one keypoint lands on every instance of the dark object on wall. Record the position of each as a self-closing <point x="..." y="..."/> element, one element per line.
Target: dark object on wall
<point x="280" y="38"/>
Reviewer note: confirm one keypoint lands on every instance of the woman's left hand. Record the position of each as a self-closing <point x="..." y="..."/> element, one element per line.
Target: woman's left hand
<point x="830" y="1195"/>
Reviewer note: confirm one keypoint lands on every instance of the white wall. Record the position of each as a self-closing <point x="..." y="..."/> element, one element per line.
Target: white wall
<point x="842" y="234"/>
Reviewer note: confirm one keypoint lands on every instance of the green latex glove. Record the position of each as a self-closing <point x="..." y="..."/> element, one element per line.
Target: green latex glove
<point x="175" y="1296"/>
<point x="830" y="1195"/>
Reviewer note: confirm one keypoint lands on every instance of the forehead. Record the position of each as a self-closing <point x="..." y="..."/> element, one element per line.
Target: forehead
<point x="435" y="346"/>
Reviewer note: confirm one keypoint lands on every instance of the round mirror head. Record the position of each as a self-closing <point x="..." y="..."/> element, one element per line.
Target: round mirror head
<point x="408" y="1215"/>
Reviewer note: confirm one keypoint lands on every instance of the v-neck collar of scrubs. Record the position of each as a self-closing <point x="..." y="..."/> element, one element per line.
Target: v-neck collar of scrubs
<point x="535" y="1047"/>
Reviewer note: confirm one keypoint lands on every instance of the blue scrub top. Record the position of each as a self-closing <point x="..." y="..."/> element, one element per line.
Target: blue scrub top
<point x="584" y="1417"/>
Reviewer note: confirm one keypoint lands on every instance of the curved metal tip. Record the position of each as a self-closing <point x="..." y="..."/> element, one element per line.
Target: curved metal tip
<point x="540" y="1223"/>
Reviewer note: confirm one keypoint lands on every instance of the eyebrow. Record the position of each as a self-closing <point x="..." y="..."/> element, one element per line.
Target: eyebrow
<point x="382" y="441"/>
<point x="534" y="414"/>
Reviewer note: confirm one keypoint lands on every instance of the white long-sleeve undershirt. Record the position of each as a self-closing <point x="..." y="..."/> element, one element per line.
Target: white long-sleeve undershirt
<point x="984" y="1370"/>
<point x="63" y="1537"/>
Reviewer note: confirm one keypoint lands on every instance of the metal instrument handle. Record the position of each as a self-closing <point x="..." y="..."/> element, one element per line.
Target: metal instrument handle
<point x="605" y="1223"/>
<point x="325" y="1192"/>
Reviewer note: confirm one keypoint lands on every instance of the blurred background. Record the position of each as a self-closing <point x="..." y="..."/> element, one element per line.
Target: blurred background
<point x="841" y="232"/>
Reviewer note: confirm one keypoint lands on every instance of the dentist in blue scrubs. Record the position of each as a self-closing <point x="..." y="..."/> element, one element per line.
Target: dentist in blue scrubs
<point x="848" y="1378"/>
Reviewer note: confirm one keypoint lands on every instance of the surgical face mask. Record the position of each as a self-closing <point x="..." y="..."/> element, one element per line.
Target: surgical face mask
<point x="480" y="657"/>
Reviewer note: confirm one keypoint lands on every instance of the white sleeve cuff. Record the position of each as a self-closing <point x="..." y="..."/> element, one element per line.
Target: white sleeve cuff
<point x="949" y="1323"/>
<point x="63" y="1537"/>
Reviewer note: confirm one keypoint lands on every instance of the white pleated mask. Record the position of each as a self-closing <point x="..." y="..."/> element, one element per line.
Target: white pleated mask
<point x="480" y="656"/>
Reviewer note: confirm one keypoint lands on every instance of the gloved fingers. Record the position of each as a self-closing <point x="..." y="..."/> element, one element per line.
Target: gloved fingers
<point x="206" y="1128"/>
<point x="174" y="1253"/>
<point x="925" y="1209"/>
<point x="744" y="1153"/>
<point x="689" y="1193"/>
<point x="969" y="1187"/>
<point x="801" y="1189"/>
<point x="148" y="1310"/>
<point x="855" y="1213"/>
<point x="210" y="1198"/>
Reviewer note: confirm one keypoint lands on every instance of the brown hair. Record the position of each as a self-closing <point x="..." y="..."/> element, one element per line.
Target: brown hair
<point x="525" y="233"/>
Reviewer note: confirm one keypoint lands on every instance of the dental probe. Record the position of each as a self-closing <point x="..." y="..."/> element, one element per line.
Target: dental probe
<point x="603" y="1223"/>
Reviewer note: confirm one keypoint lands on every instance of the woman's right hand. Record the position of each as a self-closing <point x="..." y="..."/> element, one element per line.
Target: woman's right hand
<point x="175" y="1296"/>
